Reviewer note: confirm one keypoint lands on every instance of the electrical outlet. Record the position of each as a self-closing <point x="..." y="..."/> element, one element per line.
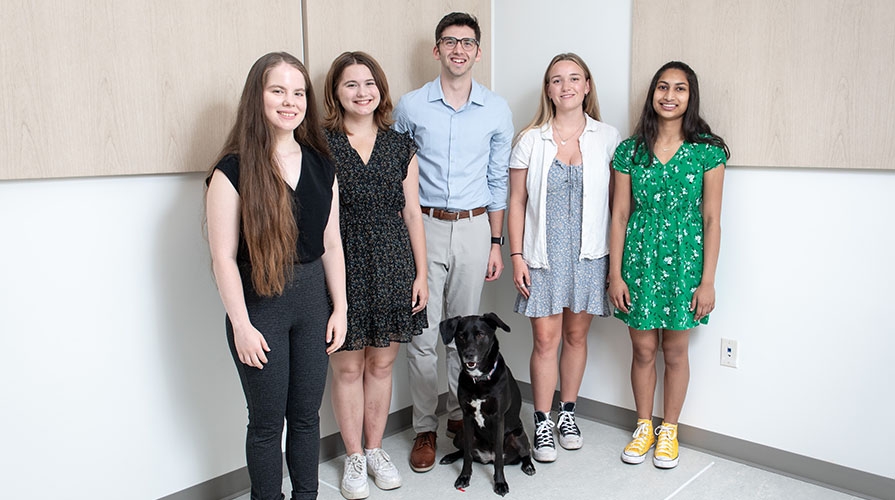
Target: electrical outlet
<point x="729" y="353"/>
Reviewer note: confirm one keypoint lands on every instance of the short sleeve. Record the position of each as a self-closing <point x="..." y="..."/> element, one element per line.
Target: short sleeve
<point x="521" y="155"/>
<point x="408" y="145"/>
<point x="714" y="157"/>
<point x="621" y="161"/>
<point x="229" y="165"/>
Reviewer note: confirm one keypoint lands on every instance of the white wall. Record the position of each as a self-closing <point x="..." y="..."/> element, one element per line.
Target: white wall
<point x="117" y="383"/>
<point x="805" y="281"/>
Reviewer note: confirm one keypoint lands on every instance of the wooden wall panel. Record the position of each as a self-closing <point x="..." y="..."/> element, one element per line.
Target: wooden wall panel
<point x="105" y="87"/>
<point x="795" y="83"/>
<point x="399" y="34"/>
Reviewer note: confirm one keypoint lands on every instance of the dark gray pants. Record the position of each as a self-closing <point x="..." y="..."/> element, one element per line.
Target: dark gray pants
<point x="289" y="387"/>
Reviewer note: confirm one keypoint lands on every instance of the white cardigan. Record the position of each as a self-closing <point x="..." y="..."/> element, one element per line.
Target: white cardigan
<point x="536" y="151"/>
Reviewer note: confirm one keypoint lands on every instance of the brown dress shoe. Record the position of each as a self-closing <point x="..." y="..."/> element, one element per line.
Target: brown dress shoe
<point x="453" y="427"/>
<point x="422" y="456"/>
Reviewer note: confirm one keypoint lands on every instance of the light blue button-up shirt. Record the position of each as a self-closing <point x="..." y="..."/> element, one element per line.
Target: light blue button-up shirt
<point x="463" y="154"/>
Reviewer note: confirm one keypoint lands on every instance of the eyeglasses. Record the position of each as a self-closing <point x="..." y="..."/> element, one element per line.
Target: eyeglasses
<point x="450" y="42"/>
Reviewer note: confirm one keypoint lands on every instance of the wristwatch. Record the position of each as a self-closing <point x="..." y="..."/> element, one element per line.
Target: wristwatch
<point x="497" y="240"/>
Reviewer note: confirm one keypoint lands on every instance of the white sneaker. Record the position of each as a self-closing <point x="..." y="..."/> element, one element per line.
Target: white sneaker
<point x="384" y="472"/>
<point x="354" y="478"/>
<point x="569" y="434"/>
<point x="544" y="447"/>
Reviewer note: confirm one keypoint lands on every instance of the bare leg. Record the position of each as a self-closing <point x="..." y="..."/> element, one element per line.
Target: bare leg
<point x="645" y="344"/>
<point x="573" y="358"/>
<point x="675" y="345"/>
<point x="347" y="392"/>
<point x="547" y="333"/>
<point x="378" y="391"/>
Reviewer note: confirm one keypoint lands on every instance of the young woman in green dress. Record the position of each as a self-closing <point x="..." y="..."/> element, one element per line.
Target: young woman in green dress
<point x="664" y="239"/>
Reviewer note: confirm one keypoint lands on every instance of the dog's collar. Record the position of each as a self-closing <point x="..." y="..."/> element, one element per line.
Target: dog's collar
<point x="488" y="376"/>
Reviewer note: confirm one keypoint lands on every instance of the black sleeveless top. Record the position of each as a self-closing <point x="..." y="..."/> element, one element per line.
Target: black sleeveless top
<point x="311" y="202"/>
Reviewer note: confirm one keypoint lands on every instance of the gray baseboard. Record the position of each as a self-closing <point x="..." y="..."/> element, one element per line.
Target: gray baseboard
<point x="826" y="474"/>
<point x="235" y="484"/>
<point x="829" y="475"/>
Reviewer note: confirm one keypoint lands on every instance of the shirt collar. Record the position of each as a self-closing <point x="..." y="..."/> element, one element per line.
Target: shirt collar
<point x="476" y="95"/>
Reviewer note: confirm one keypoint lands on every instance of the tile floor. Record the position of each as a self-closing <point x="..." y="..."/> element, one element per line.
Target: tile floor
<point x="593" y="472"/>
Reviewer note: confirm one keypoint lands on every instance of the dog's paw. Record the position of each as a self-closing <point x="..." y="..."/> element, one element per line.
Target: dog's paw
<point x="451" y="457"/>
<point x="501" y="488"/>
<point x="462" y="482"/>
<point x="527" y="467"/>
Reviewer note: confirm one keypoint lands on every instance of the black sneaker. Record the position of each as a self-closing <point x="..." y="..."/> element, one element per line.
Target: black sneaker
<point x="569" y="433"/>
<point x="544" y="447"/>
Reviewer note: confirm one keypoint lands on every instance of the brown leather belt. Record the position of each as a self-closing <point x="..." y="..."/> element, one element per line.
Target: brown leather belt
<point x="445" y="215"/>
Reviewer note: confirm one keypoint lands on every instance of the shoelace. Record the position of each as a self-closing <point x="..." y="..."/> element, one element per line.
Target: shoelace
<point x="425" y="440"/>
<point x="355" y="467"/>
<point x="641" y="435"/>
<point x="566" y="423"/>
<point x="664" y="445"/>
<point x="544" y="433"/>
<point x="381" y="460"/>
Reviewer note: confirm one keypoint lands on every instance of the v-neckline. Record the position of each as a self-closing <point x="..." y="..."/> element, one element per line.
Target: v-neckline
<point x="372" y="150"/>
<point x="294" y="189"/>
<point x="673" y="155"/>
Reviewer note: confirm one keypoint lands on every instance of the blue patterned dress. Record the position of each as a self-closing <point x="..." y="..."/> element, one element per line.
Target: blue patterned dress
<point x="579" y="285"/>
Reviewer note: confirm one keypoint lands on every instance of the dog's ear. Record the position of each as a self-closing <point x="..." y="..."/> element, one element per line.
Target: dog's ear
<point x="495" y="322"/>
<point x="448" y="328"/>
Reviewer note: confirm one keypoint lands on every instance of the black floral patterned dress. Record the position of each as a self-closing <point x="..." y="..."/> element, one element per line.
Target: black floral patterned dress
<point x="378" y="256"/>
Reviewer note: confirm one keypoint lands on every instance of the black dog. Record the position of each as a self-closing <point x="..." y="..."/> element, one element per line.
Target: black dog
<point x="490" y="400"/>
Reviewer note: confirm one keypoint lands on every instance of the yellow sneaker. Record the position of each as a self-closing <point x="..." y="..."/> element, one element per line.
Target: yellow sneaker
<point x="666" y="454"/>
<point x="643" y="440"/>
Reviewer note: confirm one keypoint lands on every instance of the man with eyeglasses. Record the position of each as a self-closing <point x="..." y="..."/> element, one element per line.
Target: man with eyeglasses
<point x="464" y="133"/>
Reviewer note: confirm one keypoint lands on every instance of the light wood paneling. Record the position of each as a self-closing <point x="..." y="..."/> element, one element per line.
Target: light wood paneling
<point x="109" y="87"/>
<point x="798" y="83"/>
<point x="399" y="34"/>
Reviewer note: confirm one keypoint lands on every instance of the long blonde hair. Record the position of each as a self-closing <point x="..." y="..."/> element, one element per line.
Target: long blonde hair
<point x="546" y="108"/>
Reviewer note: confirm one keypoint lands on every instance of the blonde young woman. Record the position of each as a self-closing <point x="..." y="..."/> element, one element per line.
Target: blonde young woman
<point x="559" y="239"/>
<point x="666" y="234"/>
<point x="385" y="253"/>
<point x="272" y="206"/>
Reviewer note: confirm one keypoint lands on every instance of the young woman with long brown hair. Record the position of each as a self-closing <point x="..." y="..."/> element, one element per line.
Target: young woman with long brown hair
<point x="273" y="229"/>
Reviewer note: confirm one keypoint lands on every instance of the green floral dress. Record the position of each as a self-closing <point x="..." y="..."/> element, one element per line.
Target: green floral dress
<point x="662" y="263"/>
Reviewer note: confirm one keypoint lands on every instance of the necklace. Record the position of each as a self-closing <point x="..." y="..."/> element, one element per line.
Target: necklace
<point x="564" y="140"/>
<point x="672" y="145"/>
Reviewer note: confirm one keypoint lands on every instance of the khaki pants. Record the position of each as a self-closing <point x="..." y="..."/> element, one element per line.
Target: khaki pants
<point x="457" y="256"/>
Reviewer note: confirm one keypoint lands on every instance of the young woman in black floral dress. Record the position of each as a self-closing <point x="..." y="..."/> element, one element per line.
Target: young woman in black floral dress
<point x="385" y="254"/>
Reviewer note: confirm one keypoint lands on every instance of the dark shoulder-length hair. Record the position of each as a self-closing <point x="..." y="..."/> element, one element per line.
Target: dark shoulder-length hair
<point x="334" y="112"/>
<point x="695" y="129"/>
<point x="267" y="220"/>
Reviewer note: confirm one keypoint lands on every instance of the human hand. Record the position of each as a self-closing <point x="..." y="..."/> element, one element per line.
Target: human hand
<point x="619" y="294"/>
<point x="495" y="264"/>
<point x="250" y="346"/>
<point x="703" y="301"/>
<point x="420" y="295"/>
<point x="336" y="329"/>
<point x="521" y="276"/>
